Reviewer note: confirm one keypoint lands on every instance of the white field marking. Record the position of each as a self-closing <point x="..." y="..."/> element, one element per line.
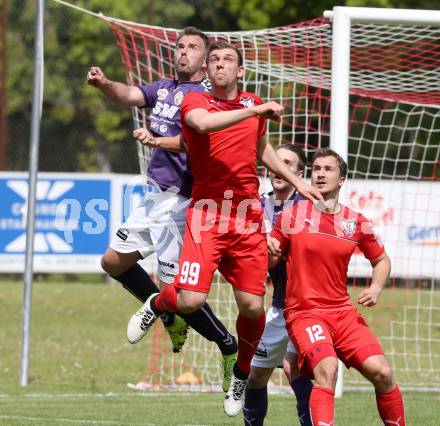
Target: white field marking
<point x="96" y="395"/>
<point x="97" y="422"/>
<point x="92" y="422"/>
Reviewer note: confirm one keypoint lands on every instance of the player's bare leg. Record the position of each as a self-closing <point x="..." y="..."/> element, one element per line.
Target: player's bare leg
<point x="190" y="301"/>
<point x="250" y="326"/>
<point x="388" y="397"/>
<point x="115" y="263"/>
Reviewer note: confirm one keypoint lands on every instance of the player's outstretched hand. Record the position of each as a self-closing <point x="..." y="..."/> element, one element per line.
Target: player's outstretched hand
<point x="144" y="137"/>
<point x="309" y="192"/>
<point x="95" y="77"/>
<point x="270" y="110"/>
<point x="369" y="296"/>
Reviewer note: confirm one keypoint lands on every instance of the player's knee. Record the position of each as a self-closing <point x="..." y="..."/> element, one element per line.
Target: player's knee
<point x="290" y="367"/>
<point x="326" y="372"/>
<point x="382" y="377"/>
<point x="251" y="309"/>
<point x="108" y="265"/>
<point x="189" y="305"/>
<point x="258" y="377"/>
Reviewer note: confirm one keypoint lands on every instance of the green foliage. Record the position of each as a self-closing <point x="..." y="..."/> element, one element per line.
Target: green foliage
<point x="78" y="119"/>
<point x="84" y="119"/>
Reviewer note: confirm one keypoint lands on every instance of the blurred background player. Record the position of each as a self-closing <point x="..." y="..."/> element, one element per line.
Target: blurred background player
<point x="225" y="134"/>
<point x="157" y="225"/>
<point x="318" y="242"/>
<point x="275" y="348"/>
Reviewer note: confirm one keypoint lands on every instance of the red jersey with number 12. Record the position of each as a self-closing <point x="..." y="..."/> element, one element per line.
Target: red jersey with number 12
<point x="318" y="248"/>
<point x="224" y="159"/>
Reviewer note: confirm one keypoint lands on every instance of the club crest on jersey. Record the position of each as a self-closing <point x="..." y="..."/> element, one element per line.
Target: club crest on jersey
<point x="178" y="98"/>
<point x="348" y="226"/>
<point x="162" y="94"/>
<point x="247" y="102"/>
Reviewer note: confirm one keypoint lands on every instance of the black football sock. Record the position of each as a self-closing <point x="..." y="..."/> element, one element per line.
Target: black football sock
<point x="255" y="406"/>
<point x="239" y="374"/>
<point x="138" y="282"/>
<point x="211" y="328"/>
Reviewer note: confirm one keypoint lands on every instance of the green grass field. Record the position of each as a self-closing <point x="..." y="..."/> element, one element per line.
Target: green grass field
<point x="81" y="363"/>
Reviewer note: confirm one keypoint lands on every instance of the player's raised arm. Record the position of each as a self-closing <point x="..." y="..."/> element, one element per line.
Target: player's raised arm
<point x="170" y="143"/>
<point x="204" y="121"/>
<point x="269" y="158"/>
<point x="119" y="93"/>
<point x="381" y="272"/>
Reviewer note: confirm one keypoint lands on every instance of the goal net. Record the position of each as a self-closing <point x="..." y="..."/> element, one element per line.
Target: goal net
<point x="394" y="173"/>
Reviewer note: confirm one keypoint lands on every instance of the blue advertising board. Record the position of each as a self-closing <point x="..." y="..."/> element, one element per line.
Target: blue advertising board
<point x="72" y="218"/>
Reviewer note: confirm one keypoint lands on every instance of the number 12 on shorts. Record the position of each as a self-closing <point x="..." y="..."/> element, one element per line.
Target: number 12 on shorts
<point x="189" y="273"/>
<point x="315" y="333"/>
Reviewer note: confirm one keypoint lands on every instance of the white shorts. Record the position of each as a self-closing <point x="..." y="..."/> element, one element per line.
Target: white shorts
<point x="274" y="342"/>
<point x="155" y="226"/>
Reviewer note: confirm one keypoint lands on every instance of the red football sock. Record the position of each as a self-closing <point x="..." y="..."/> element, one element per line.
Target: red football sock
<point x="167" y="300"/>
<point x="249" y="332"/>
<point x="390" y="406"/>
<point x="322" y="406"/>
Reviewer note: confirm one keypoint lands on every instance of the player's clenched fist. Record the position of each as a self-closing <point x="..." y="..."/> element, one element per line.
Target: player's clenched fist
<point x="270" y="110"/>
<point x="95" y="77"/>
<point x="369" y="296"/>
<point x="144" y="137"/>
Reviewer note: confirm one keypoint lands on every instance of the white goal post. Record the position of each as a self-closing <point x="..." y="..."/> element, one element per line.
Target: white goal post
<point x="342" y="19"/>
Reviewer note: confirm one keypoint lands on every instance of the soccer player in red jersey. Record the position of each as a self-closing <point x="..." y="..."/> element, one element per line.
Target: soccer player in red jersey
<point x="224" y="132"/>
<point x="318" y="241"/>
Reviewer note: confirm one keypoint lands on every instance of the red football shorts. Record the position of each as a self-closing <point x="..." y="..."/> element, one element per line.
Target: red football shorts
<point x="320" y="334"/>
<point x="239" y="255"/>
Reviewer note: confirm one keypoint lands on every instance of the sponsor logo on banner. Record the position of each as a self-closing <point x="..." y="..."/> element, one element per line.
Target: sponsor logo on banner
<point x="178" y="98"/>
<point x="162" y="94"/>
<point x="424" y="235"/>
<point x="69" y="218"/>
<point x="348" y="226"/>
<point x="373" y="206"/>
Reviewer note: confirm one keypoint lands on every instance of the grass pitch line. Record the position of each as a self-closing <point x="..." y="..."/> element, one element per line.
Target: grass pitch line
<point x="89" y="422"/>
<point x="96" y="395"/>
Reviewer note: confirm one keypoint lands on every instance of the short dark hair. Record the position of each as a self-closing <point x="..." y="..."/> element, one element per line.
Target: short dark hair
<point x="302" y="159"/>
<point x="188" y="31"/>
<point x="327" y="152"/>
<point x="219" y="45"/>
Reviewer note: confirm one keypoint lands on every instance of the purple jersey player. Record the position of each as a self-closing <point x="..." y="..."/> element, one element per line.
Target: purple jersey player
<point x="275" y="348"/>
<point x="157" y="225"/>
<point x="169" y="169"/>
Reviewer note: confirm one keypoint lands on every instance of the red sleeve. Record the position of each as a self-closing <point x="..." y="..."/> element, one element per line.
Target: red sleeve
<point x="278" y="233"/>
<point x="192" y="100"/>
<point x="262" y="121"/>
<point x="262" y="127"/>
<point x="369" y="242"/>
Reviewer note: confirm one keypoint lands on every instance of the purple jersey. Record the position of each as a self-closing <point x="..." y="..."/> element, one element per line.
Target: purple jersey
<point x="164" y="97"/>
<point x="272" y="209"/>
